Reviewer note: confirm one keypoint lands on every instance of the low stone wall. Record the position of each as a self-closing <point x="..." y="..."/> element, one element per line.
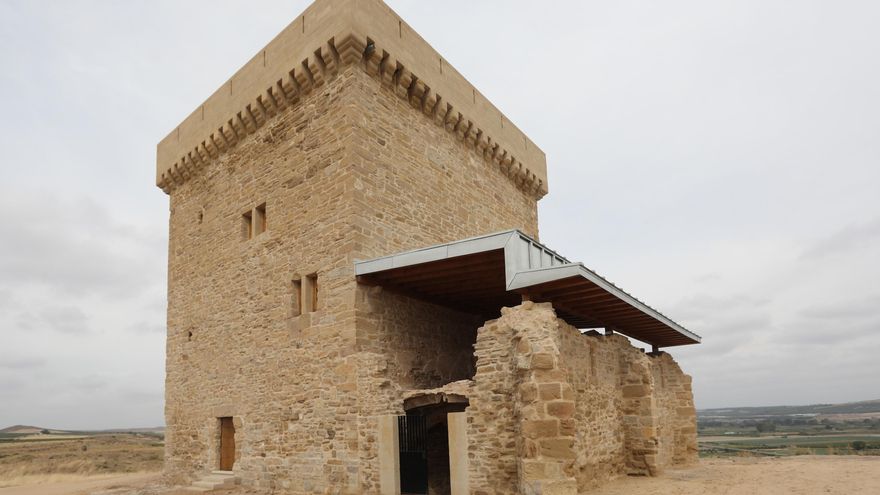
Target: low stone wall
<point x="554" y="411"/>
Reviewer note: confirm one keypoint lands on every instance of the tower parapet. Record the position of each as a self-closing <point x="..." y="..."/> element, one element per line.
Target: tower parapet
<point x="331" y="34"/>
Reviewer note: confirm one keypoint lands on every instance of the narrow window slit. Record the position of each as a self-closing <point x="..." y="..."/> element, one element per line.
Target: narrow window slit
<point x="260" y="219"/>
<point x="296" y="302"/>
<point x="312" y="292"/>
<point x="247" y="226"/>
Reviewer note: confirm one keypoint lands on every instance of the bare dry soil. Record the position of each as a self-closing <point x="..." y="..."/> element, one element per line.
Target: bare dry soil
<point x="801" y="475"/>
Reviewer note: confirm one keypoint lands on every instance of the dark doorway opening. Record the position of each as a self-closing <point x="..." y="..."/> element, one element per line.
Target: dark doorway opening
<point x="412" y="436"/>
<point x="424" y="445"/>
<point x="227" y="444"/>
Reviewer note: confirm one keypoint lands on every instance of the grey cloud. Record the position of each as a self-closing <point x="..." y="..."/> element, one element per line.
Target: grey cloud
<point x="708" y="277"/>
<point x="859" y="308"/>
<point x="89" y="383"/>
<point x="824" y="331"/>
<point x="708" y="305"/>
<point x="21" y="363"/>
<point x="847" y="239"/>
<point x="143" y="395"/>
<point x="156" y="327"/>
<point x="73" y="247"/>
<point x="11" y="387"/>
<point x="65" y="319"/>
<point x="7" y="300"/>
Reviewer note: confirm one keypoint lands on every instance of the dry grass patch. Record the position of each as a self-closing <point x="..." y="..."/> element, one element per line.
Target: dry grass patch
<point x="24" y="462"/>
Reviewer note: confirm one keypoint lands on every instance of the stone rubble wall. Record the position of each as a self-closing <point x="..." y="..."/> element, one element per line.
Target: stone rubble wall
<point x="553" y="411"/>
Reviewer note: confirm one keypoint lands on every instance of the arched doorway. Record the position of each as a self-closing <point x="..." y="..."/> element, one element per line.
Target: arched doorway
<point x="424" y="443"/>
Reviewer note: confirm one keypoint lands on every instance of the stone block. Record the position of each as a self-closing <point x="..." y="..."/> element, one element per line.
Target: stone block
<point x="561" y="408"/>
<point x="533" y="470"/>
<point x="634" y="391"/>
<point x="567" y="427"/>
<point x="528" y="392"/>
<point x="540" y="428"/>
<point x="566" y="486"/>
<point x="557" y="448"/>
<point x="543" y="361"/>
<point x="550" y="391"/>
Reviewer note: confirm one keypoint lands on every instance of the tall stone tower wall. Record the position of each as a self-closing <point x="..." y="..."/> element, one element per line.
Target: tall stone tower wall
<point x="351" y="171"/>
<point x="235" y="344"/>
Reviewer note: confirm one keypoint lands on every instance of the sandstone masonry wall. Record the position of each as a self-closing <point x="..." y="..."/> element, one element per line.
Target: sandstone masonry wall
<point x="416" y="184"/>
<point x="585" y="408"/>
<point x="349" y="172"/>
<point x="234" y="346"/>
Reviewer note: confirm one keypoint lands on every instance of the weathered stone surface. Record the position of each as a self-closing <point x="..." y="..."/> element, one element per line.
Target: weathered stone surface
<point x="540" y="428"/>
<point x="585" y="437"/>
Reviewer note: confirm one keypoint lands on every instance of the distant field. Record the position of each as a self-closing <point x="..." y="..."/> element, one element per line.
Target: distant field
<point x="820" y="429"/>
<point x="792" y="445"/>
<point x="32" y="459"/>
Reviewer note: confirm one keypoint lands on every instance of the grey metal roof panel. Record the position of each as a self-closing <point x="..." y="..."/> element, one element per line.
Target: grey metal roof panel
<point x="463" y="247"/>
<point x="527" y="263"/>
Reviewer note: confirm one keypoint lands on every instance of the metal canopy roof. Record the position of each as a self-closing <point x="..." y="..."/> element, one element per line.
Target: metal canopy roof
<point x="482" y="274"/>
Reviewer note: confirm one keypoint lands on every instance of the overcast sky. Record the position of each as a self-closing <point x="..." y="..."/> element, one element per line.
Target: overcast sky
<point x="718" y="159"/>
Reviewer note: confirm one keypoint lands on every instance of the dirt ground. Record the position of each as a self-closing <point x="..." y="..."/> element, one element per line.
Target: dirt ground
<point x="124" y="484"/>
<point x="800" y="475"/>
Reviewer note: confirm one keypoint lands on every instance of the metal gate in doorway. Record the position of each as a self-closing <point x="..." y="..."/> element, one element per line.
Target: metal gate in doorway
<point x="412" y="434"/>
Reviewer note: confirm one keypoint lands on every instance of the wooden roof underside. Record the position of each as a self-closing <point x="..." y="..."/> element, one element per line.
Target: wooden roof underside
<point x="479" y="279"/>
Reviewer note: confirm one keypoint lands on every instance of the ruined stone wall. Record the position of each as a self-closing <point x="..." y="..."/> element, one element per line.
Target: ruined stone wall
<point x="593" y="367"/>
<point x="427" y="346"/>
<point x="675" y="405"/>
<point x="584" y="408"/>
<point x="492" y="429"/>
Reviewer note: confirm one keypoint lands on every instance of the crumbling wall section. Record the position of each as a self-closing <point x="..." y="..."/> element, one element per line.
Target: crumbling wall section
<point x="594" y="368"/>
<point x="427" y="345"/>
<point x="675" y="407"/>
<point x="493" y="426"/>
<point x="555" y="411"/>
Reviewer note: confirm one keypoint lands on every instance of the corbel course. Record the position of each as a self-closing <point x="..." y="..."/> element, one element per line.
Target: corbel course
<point x="316" y="70"/>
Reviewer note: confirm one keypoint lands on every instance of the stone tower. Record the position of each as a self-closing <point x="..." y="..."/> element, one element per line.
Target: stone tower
<point x="346" y="138"/>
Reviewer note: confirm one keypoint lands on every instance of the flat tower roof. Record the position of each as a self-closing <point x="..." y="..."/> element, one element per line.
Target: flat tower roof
<point x="482" y="274"/>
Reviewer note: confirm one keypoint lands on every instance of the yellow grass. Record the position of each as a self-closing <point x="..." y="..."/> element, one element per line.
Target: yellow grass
<point x="51" y="436"/>
<point x="78" y="458"/>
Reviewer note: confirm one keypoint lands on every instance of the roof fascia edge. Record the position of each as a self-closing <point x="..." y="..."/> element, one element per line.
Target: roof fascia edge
<point x="528" y="278"/>
<point x="472" y="245"/>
